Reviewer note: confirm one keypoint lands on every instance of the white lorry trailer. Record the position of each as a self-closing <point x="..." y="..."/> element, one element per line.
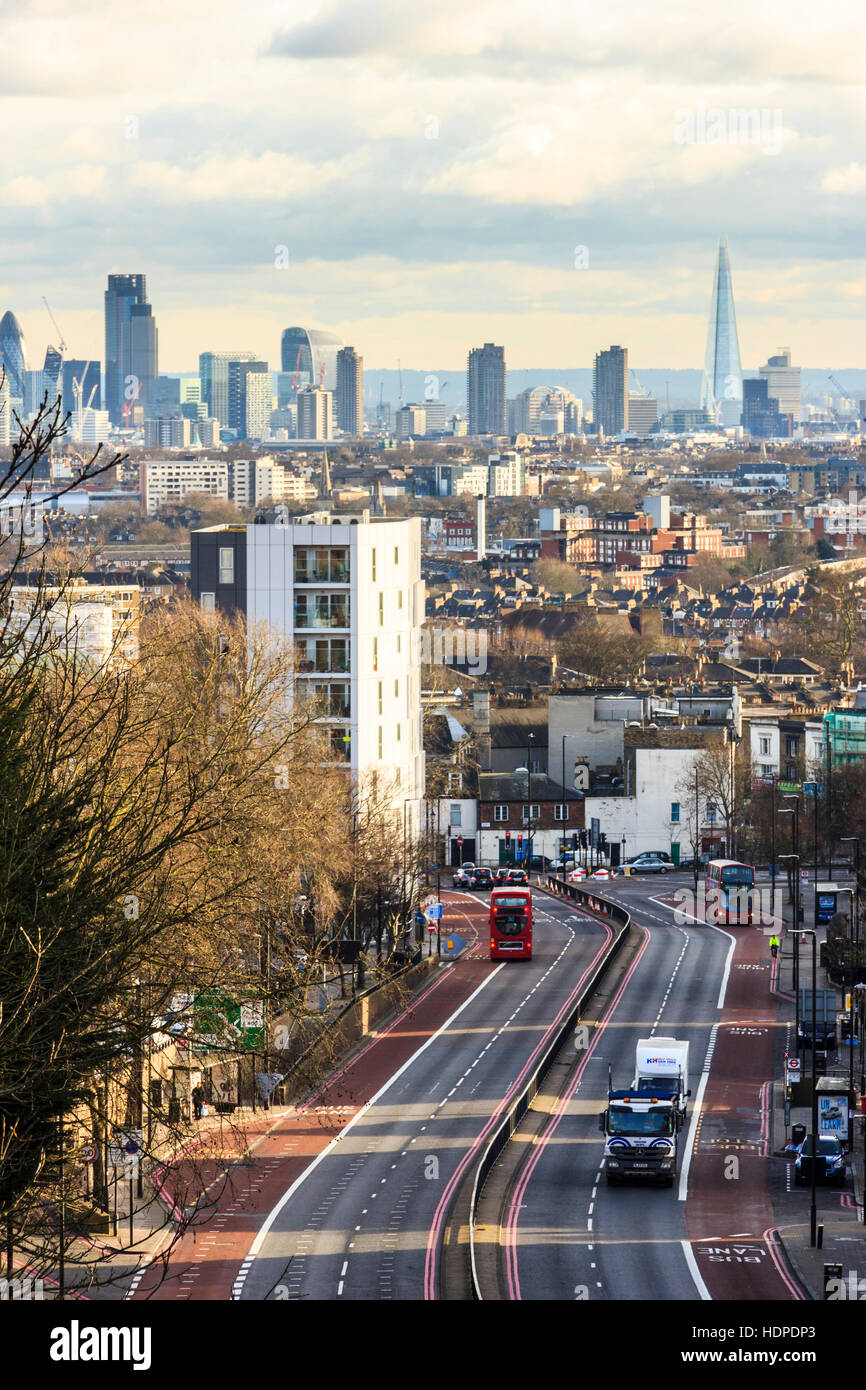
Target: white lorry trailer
<point x="661" y="1069"/>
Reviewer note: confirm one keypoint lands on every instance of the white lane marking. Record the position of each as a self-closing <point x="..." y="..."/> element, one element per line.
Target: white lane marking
<point x="683" y="1190"/>
<point x="703" y="1291"/>
<point x="302" y="1177"/>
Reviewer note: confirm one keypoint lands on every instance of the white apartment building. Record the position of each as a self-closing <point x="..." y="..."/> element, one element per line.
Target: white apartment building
<point x="315" y="413"/>
<point x="506" y="475"/>
<point x="170" y="480"/>
<point x="348" y="593"/>
<point x="252" y="481"/>
<point x="259" y="404"/>
<point x="97" y="621"/>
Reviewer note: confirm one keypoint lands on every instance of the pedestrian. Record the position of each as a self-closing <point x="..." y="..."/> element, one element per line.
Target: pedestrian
<point x="774" y="946"/>
<point x="197" y="1100"/>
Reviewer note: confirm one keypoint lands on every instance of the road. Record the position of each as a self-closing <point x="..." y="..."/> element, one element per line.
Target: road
<point x="567" y="1235"/>
<point x="365" y="1219"/>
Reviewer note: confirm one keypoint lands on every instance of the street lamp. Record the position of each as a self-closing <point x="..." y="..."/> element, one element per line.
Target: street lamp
<point x="813" y="1210"/>
<point x="854" y="840"/>
<point x="528" y="771"/>
<point x="796" y="908"/>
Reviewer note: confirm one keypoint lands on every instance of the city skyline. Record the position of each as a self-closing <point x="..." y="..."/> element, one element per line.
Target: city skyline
<point x="418" y="184"/>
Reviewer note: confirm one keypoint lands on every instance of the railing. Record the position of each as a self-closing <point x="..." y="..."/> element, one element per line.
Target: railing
<point x="521" y="1103"/>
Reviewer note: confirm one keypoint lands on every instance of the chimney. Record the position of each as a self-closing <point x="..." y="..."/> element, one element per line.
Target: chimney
<point x="480" y="527"/>
<point x="481" y="721"/>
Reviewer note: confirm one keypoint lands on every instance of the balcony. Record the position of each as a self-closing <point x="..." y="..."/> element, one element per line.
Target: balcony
<point x="318" y="611"/>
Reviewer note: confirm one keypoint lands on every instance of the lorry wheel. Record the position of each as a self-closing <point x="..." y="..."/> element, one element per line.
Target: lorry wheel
<point x="669" y="1182"/>
<point x="611" y="1180"/>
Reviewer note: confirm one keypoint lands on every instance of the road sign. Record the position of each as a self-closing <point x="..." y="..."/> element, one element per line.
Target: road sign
<point x="804" y="875"/>
<point x="434" y="912"/>
<point x="88" y="1153"/>
<point x="420" y="919"/>
<point x="433" y="930"/>
<point x="794" y="1071"/>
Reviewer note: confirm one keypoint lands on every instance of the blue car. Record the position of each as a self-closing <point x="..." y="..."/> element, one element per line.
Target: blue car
<point x="830" y="1164"/>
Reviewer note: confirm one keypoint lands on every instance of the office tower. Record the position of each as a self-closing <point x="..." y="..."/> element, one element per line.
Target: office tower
<point x="190" y="390"/>
<point x="6" y="421"/>
<point x="643" y="412"/>
<point x="485" y="388"/>
<point x="349" y="399"/>
<point x="214" y="377"/>
<point x="87" y="374"/>
<point x="610" y="390"/>
<point x="13" y="356"/>
<point x="315" y="413"/>
<point x="166" y="391"/>
<point x="131" y="348"/>
<point x="238" y="371"/>
<point x="347" y="593"/>
<point x="783" y="382"/>
<point x="51" y="369"/>
<point x="722" y="390"/>
<point x="207" y="432"/>
<point x="310" y="356"/>
<point x="168" y="432"/>
<point x="762" y="416"/>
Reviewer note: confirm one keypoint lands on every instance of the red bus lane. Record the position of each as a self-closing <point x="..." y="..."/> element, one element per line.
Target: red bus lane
<point x="249" y="1170"/>
<point x="729" y="1211"/>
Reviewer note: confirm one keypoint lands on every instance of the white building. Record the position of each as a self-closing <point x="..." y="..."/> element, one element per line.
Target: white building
<point x="315" y="413"/>
<point x="169" y="480"/>
<point x="783" y="382"/>
<point x="97" y="621"/>
<point x="252" y="481"/>
<point x="348" y="593"/>
<point x="259" y="404"/>
<point x="506" y="475"/>
<point x="411" y="422"/>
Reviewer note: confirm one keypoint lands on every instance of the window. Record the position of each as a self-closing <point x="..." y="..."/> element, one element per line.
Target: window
<point x="381" y="610"/>
<point x="456" y="813"/>
<point x="375" y="653"/>
<point x="396" y="554"/>
<point x="373" y="558"/>
<point x="208" y="602"/>
<point x="341" y="745"/>
<point x="560" y="812"/>
<point x="398" y="733"/>
<point x="399" y="598"/>
<point x="711" y="812"/>
<point x="398" y="644"/>
<point x="380" y="698"/>
<point x="500" y="813"/>
<point x="380" y="742"/>
<point x="792" y="745"/>
<point x="321" y="610"/>
<point x="530" y="813"/>
<point x="765" y="748"/>
<point x="227" y="564"/>
<point x="396" y="689"/>
<point x="675" y="810"/>
<point x="330" y="655"/>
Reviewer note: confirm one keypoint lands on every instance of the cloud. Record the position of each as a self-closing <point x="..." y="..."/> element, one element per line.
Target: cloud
<point x="848" y="180"/>
<point x="265" y="177"/>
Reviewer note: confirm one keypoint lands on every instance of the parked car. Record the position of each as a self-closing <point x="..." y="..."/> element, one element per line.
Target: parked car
<point x="650" y="864"/>
<point x="689" y="863"/>
<point x="830" y="1164"/>
<point x="481" y="878"/>
<point x="463" y="876"/>
<point x="517" y="876"/>
<point x="538" y="864"/>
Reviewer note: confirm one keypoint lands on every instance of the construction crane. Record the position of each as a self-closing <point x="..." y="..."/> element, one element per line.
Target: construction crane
<point x="637" y="383"/>
<point x="400" y="375"/>
<point x="56" y="324"/>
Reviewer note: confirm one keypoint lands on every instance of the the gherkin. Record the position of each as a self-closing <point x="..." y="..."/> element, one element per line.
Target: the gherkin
<point x="13" y="354"/>
<point x="722" y="392"/>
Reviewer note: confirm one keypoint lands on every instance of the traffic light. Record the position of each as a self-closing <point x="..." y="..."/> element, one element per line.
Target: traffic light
<point x="507" y="839"/>
<point x="602" y="840"/>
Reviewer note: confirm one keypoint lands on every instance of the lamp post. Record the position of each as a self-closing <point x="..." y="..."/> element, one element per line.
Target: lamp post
<point x="813" y="1209"/>
<point x="796" y="909"/>
<point x="529" y="743"/>
<point x="854" y="840"/>
<point x="773" y="845"/>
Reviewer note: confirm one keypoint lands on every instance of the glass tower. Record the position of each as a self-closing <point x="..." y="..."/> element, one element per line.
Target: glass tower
<point x="722" y="391"/>
<point x="13" y="355"/>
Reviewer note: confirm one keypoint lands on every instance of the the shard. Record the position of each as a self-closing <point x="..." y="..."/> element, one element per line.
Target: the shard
<point x="722" y="392"/>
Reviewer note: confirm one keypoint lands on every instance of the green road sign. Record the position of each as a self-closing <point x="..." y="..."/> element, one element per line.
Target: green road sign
<point x="223" y="1024"/>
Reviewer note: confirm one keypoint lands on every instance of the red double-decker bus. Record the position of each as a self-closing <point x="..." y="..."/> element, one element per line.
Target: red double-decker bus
<point x="730" y="891"/>
<point x="510" y="923"/>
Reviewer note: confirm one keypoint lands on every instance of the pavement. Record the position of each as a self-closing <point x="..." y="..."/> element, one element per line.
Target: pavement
<point x="840" y="1211"/>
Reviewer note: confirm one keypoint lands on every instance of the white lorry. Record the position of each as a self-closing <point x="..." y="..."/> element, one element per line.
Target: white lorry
<point x="641" y="1137"/>
<point x="661" y="1069"/>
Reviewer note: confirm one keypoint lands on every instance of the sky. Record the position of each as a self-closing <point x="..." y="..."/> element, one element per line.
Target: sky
<point x="423" y="179"/>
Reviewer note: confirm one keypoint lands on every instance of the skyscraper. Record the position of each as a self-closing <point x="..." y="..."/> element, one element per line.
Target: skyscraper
<point x="610" y="390"/>
<point x="239" y="372"/>
<point x="214" y="376"/>
<point x="130" y="348"/>
<point x="485" y="389"/>
<point x="310" y="354"/>
<point x="13" y="355"/>
<point x="722" y="391"/>
<point x="315" y="413"/>
<point x="349" y="398"/>
<point x="783" y="382"/>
